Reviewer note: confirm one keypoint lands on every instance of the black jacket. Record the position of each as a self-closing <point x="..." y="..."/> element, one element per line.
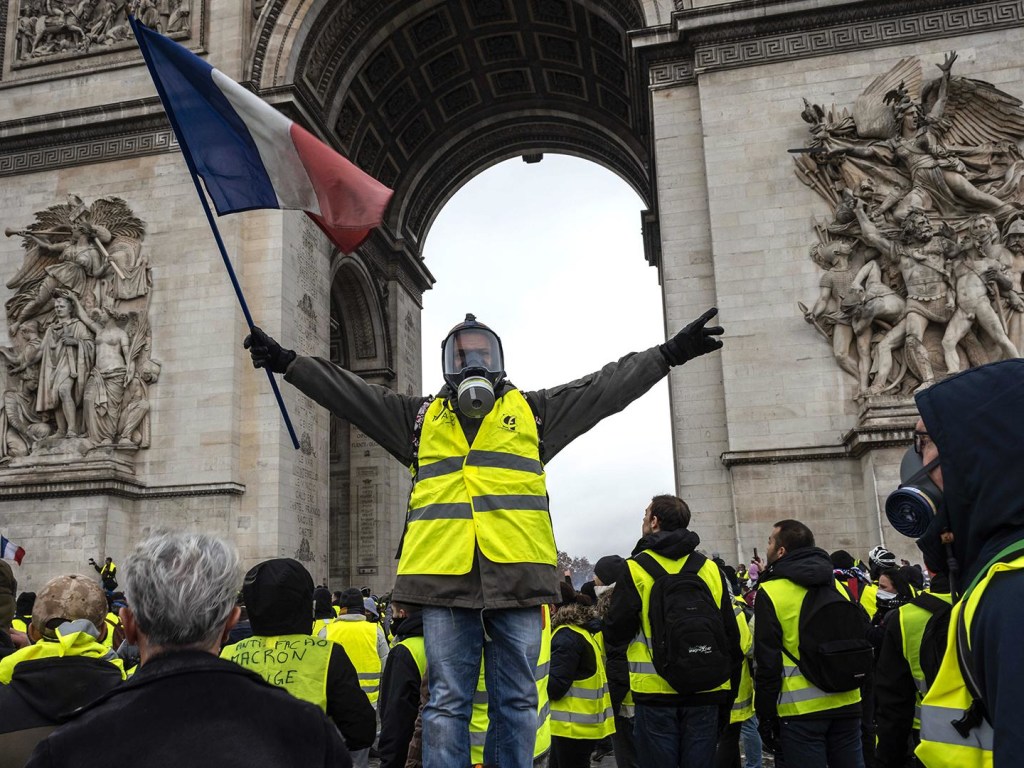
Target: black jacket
<point x="192" y="708"/>
<point x="572" y="657"/>
<point x="975" y="420"/>
<point x="623" y="620"/>
<point x="42" y="694"/>
<point x="399" y="701"/>
<point x="808" y="567"/>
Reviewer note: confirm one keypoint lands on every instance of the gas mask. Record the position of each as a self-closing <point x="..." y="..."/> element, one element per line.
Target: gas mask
<point x="473" y="365"/>
<point x="913" y="506"/>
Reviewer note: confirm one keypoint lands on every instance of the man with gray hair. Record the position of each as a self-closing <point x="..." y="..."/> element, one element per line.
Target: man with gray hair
<point x="186" y="706"/>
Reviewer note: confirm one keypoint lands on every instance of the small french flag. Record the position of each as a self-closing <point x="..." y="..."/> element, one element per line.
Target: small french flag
<point x="250" y="155"/>
<point x="10" y="551"/>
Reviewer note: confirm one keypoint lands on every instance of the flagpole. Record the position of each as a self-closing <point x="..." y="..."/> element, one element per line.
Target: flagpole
<point x="213" y="224"/>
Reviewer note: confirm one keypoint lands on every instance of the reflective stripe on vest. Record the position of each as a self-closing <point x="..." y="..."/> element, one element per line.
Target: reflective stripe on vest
<point x="414" y="644"/>
<point x="913" y="620"/>
<point x="798" y="696"/>
<point x="585" y="711"/>
<point x="359" y="639"/>
<point x="643" y="678"/>
<point x="743" y="706"/>
<point x="479" y="722"/>
<point x="297" y="663"/>
<point x="493" y="496"/>
<point x="948" y="698"/>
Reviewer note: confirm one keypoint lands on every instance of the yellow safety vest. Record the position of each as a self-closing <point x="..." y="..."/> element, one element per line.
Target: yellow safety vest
<point x="743" y="706"/>
<point x="913" y="620"/>
<point x="113" y="621"/>
<point x="73" y="644"/>
<point x="493" y="496"/>
<point x="949" y="699"/>
<point x="869" y="599"/>
<point x="414" y="644"/>
<point x="798" y="695"/>
<point x="585" y="712"/>
<point x="21" y="624"/>
<point x="297" y="663"/>
<point x="479" y="723"/>
<point x="319" y="624"/>
<point x="359" y="639"/>
<point x="643" y="678"/>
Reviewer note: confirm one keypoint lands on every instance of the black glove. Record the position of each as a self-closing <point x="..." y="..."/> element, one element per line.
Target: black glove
<point x="769" y="728"/>
<point x="694" y="340"/>
<point x="267" y="353"/>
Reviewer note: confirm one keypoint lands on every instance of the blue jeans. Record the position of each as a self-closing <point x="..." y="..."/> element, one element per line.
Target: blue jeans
<point x="510" y="642"/>
<point x="820" y="742"/>
<point x="676" y="737"/>
<point x="751" y="743"/>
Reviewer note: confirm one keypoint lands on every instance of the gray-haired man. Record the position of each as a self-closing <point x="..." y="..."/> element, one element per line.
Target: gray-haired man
<point x="186" y="706"/>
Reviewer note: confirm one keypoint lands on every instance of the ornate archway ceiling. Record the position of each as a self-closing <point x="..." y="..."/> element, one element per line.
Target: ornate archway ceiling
<point x="424" y="95"/>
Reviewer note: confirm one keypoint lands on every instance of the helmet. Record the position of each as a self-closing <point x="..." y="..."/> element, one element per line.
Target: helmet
<point x="473" y="365"/>
<point x="881" y="557"/>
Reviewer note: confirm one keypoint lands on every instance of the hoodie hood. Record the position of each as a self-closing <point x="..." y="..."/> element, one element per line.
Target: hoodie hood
<point x="974" y="419"/>
<point x="808" y="567"/>
<point x="56" y="687"/>
<point x="671" y="544"/>
<point x="279" y="597"/>
<point x="410" y="626"/>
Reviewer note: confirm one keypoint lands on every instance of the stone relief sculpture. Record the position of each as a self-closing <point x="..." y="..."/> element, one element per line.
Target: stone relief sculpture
<point x="77" y="375"/>
<point x="51" y="28"/>
<point x="923" y="256"/>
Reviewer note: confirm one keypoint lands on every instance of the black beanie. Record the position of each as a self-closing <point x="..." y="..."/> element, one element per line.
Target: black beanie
<point x="278" y="598"/>
<point x="609" y="568"/>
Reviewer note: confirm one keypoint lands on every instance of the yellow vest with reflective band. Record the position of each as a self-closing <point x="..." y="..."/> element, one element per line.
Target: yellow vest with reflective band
<point x="743" y="706"/>
<point x="73" y="644"/>
<point x="585" y="712"/>
<point x="493" y="496"/>
<point x="948" y="698"/>
<point x="798" y="695"/>
<point x="479" y="723"/>
<point x="297" y="663"/>
<point x="414" y="644"/>
<point x="643" y="678"/>
<point x="359" y="639"/>
<point x="913" y="620"/>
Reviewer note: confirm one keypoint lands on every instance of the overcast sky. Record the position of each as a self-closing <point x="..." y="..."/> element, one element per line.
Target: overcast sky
<point x="550" y="256"/>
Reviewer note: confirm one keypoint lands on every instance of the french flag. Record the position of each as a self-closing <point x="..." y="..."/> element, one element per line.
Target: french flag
<point x="251" y="156"/>
<point x="10" y="551"/>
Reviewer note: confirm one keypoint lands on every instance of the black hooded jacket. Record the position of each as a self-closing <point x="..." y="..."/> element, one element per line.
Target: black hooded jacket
<point x="975" y="420"/>
<point x="572" y="658"/>
<point x="399" y="701"/>
<point x="807" y="567"/>
<point x="623" y="620"/>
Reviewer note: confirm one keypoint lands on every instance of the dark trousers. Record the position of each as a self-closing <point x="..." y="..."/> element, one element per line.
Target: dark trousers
<point x="728" y="752"/>
<point x="622" y="743"/>
<point x="820" y="743"/>
<point x="571" y="753"/>
<point x="676" y="737"/>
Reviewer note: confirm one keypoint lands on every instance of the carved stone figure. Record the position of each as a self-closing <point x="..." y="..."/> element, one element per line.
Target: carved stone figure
<point x="84" y="287"/>
<point x="922" y="176"/>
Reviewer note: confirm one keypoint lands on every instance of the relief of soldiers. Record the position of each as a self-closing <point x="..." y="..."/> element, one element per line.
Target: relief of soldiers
<point x="938" y="172"/>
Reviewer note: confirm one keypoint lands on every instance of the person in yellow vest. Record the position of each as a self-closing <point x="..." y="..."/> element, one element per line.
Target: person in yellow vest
<point x="107" y="572"/>
<point x="277" y="596"/>
<point x="675" y="725"/>
<point x="323" y="609"/>
<point x="728" y="753"/>
<point x="399" y="700"/>
<point x="961" y="496"/>
<point x="900" y="676"/>
<point x="65" y="668"/>
<point x="813" y="728"/>
<point x="23" y="612"/>
<point x="478" y="550"/>
<point x="581" y="704"/>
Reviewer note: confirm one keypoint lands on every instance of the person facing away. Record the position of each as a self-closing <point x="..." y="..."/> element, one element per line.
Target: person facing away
<point x="478" y="550"/>
<point x="184" y="705"/>
<point x="66" y="667"/>
<point x="969" y="440"/>
<point x="674" y="727"/>
<point x="399" y="700"/>
<point x="283" y="652"/>
<point x="811" y="728"/>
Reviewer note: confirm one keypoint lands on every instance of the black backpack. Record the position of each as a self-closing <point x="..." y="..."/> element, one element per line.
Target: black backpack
<point x="835" y="654"/>
<point x="689" y="643"/>
<point x="936" y="633"/>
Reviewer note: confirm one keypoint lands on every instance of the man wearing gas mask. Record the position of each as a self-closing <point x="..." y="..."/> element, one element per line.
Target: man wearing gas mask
<point x="478" y="550"/>
<point x="962" y="496"/>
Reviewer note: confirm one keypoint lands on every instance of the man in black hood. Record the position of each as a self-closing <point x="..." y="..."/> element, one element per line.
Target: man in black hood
<point x="813" y="728"/>
<point x="969" y="442"/>
<point x="672" y="727"/>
